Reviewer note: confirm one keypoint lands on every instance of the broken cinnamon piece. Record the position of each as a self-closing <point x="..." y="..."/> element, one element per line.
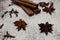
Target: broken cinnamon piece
<point x="1" y="26"/>
<point x="20" y="24"/>
<point x="27" y="10"/>
<point x="24" y="4"/>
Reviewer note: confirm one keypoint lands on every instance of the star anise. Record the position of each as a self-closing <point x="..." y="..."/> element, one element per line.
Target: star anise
<point x="8" y="35"/>
<point x="49" y="9"/>
<point x="1" y="26"/>
<point x="20" y="24"/>
<point x="46" y="28"/>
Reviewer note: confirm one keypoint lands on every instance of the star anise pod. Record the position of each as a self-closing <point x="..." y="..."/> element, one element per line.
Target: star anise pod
<point x="20" y="24"/>
<point x="46" y="28"/>
<point x="49" y="9"/>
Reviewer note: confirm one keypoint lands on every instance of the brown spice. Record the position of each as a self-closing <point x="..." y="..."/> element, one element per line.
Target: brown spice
<point x="20" y="24"/>
<point x="49" y="9"/>
<point x="46" y="28"/>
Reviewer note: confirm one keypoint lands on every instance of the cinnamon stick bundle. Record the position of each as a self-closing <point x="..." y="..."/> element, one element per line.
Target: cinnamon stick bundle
<point x="29" y="10"/>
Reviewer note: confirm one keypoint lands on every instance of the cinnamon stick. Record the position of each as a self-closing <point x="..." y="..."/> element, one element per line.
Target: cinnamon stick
<point x="30" y="2"/>
<point x="24" y="4"/>
<point x="27" y="10"/>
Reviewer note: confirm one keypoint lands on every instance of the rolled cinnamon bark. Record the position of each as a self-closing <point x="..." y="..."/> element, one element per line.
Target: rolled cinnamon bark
<point x="30" y="2"/>
<point x="24" y="4"/>
<point x="27" y="10"/>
